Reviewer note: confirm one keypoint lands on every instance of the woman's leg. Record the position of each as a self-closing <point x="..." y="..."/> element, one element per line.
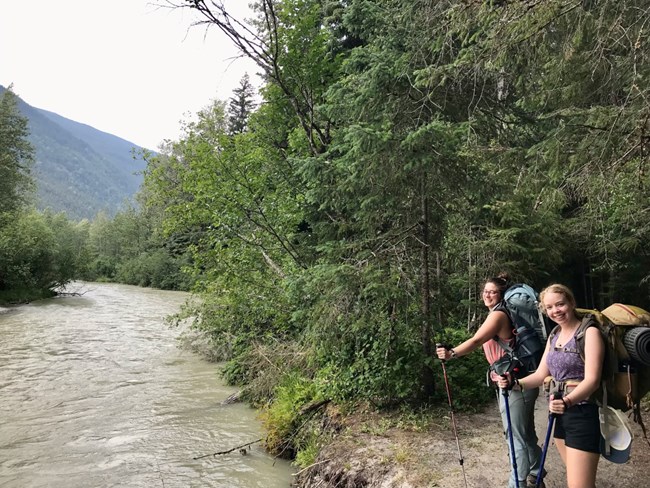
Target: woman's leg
<point x="532" y="442"/>
<point x="527" y="451"/>
<point x="581" y="467"/>
<point x="561" y="448"/>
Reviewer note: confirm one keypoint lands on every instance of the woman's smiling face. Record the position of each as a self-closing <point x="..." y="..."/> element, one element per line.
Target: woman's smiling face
<point x="557" y="307"/>
<point x="491" y="295"/>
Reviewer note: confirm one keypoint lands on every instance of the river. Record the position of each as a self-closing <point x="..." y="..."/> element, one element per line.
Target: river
<point x="94" y="392"/>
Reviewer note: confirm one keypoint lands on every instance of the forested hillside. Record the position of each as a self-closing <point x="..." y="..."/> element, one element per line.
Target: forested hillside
<point x="41" y="250"/>
<point x="78" y="169"/>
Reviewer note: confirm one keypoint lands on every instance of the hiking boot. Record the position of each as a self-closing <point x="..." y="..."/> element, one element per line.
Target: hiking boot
<point x="531" y="480"/>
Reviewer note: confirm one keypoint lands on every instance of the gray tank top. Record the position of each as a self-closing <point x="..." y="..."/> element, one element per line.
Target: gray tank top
<point x="565" y="363"/>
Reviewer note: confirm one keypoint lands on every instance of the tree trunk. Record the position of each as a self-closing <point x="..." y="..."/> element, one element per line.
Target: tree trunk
<point x="428" y="383"/>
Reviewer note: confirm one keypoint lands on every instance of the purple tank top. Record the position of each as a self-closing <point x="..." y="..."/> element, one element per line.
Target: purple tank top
<point x="565" y="363"/>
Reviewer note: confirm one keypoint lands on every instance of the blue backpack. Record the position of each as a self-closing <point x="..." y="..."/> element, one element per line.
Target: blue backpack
<point x="530" y="327"/>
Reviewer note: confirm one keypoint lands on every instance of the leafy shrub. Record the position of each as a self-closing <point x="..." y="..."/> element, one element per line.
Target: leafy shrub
<point x="467" y="376"/>
<point x="156" y="269"/>
<point x="284" y="418"/>
<point x="38" y="252"/>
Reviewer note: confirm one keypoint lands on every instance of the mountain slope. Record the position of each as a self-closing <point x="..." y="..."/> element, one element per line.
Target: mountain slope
<point x="79" y="170"/>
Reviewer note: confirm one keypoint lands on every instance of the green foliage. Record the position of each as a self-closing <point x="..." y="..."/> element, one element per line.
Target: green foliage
<point x="16" y="157"/>
<point x="404" y="152"/>
<point x="241" y="106"/>
<point x="129" y="248"/>
<point x="309" y="450"/>
<point x="231" y="203"/>
<point x="23" y="295"/>
<point x="366" y="346"/>
<point x="155" y="269"/>
<point x="40" y="252"/>
<point x="467" y="377"/>
<point x="285" y="420"/>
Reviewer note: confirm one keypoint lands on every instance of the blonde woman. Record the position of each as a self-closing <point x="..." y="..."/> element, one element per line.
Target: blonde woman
<point x="577" y="428"/>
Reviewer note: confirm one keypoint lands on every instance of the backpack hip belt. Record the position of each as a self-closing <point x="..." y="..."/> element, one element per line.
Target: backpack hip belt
<point x="551" y="385"/>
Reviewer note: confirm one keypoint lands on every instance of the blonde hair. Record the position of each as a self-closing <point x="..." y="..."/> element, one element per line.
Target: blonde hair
<point x="557" y="288"/>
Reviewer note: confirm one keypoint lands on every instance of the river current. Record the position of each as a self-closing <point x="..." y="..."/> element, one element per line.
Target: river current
<point x="94" y="392"/>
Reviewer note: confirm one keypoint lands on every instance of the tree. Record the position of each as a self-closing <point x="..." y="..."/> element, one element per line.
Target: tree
<point x="404" y="152"/>
<point x="16" y="156"/>
<point x="40" y="251"/>
<point x="289" y="44"/>
<point x="240" y="107"/>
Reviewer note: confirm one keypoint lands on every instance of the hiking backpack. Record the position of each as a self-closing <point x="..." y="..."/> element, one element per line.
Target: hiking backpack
<point x="625" y="377"/>
<point x="625" y="329"/>
<point x="530" y="327"/>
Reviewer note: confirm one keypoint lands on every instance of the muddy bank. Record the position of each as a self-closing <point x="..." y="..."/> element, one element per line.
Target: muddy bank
<point x="370" y="452"/>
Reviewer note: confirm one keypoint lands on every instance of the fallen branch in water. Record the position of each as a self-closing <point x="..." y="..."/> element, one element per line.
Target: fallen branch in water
<point x="228" y="451"/>
<point x="234" y="398"/>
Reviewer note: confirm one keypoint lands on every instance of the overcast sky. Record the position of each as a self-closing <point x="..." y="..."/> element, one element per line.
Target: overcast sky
<point x="125" y="67"/>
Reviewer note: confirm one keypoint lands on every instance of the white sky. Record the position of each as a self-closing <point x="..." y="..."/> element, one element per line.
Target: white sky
<point x="125" y="67"/>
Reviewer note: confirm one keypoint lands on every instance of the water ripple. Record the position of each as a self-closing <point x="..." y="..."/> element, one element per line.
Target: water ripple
<point x="96" y="394"/>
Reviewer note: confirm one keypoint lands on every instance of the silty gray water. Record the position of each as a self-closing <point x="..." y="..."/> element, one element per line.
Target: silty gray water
<point x="94" y="392"/>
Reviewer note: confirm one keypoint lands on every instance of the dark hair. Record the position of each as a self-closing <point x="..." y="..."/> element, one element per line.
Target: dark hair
<point x="501" y="281"/>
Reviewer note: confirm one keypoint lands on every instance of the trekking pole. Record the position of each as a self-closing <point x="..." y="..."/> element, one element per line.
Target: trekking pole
<point x="551" y="420"/>
<point x="513" y="457"/>
<point x="453" y="418"/>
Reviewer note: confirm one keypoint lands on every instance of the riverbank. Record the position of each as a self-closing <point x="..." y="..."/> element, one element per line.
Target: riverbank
<point x="379" y="451"/>
<point x="23" y="295"/>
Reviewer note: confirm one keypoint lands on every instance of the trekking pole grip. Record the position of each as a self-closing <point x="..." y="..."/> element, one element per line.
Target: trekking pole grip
<point x="510" y="381"/>
<point x="558" y="395"/>
<point x="444" y="346"/>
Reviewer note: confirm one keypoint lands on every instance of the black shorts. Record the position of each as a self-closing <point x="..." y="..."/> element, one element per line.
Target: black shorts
<point x="579" y="427"/>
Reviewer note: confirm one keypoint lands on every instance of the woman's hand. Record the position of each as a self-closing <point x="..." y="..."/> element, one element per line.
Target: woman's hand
<point x="442" y="352"/>
<point x="556" y="405"/>
<point x="505" y="381"/>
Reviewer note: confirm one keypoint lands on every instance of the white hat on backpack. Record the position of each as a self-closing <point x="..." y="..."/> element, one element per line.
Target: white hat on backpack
<point x="615" y="435"/>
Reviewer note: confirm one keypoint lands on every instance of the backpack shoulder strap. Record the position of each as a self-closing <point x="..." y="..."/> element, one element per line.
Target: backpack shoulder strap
<point x="501" y="307"/>
<point x="553" y="332"/>
<point x="588" y="320"/>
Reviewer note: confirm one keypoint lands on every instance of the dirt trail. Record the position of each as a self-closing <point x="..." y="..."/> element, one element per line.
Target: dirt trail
<point x="634" y="474"/>
<point x="396" y="458"/>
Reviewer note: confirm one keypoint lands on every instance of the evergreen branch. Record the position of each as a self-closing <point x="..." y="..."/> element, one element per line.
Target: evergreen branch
<point x="544" y="26"/>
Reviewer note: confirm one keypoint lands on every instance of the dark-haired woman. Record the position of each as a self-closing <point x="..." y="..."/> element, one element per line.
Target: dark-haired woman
<point x="521" y="403"/>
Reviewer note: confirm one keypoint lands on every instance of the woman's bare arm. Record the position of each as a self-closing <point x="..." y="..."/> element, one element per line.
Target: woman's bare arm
<point x="494" y="325"/>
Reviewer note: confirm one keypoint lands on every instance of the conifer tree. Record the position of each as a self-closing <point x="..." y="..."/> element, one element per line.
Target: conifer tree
<point x="241" y="106"/>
